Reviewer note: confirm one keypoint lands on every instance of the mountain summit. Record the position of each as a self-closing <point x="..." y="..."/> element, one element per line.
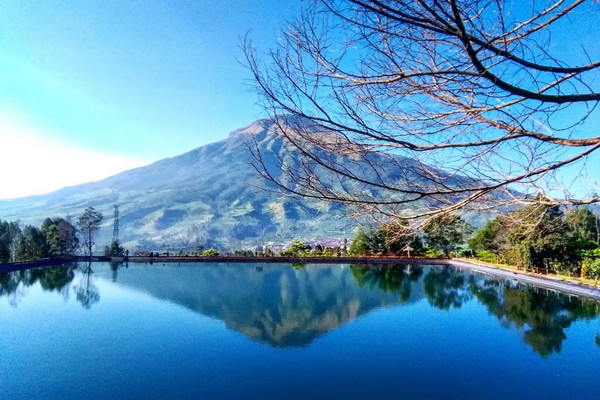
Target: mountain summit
<point x="211" y="196"/>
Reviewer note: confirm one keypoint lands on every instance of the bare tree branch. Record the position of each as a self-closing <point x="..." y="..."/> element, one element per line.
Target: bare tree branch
<point x="412" y="109"/>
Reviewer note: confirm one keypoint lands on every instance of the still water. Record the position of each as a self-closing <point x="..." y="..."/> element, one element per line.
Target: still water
<point x="227" y="331"/>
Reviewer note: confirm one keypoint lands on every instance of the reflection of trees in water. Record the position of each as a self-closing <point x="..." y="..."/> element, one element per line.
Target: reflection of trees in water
<point x="388" y="278"/>
<point x="285" y="310"/>
<point x="445" y="288"/>
<point x="11" y="287"/>
<point x="114" y="267"/>
<point x="56" y="278"/>
<point x="86" y="292"/>
<point x="542" y="317"/>
<point x="14" y="284"/>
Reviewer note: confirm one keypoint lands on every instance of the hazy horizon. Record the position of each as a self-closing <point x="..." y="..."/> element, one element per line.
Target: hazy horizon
<point x="90" y="90"/>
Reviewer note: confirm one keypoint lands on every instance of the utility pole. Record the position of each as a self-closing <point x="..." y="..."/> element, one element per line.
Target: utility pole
<point x="116" y="225"/>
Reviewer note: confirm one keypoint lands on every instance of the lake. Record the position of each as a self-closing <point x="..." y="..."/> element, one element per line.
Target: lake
<point x="275" y="331"/>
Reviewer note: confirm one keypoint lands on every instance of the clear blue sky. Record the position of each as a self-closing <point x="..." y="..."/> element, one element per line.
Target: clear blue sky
<point x="91" y="88"/>
<point x="121" y="83"/>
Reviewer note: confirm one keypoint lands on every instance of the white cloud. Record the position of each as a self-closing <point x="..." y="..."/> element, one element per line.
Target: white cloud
<point x="32" y="163"/>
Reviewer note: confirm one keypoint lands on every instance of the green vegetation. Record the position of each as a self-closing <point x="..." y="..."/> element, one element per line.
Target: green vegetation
<point x="446" y="233"/>
<point x="539" y="237"/>
<point x="56" y="237"/>
<point x="210" y="253"/>
<point x="114" y="249"/>
<point x="387" y="240"/>
<point x="296" y="249"/>
<point x="61" y="236"/>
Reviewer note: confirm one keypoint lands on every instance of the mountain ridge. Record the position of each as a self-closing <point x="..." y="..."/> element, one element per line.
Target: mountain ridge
<point x="209" y="196"/>
<point x="212" y="196"/>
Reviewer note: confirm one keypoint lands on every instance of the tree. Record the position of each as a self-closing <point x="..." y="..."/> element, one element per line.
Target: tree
<point x="446" y="233"/>
<point x="32" y="244"/>
<point x="584" y="223"/>
<point x="297" y="248"/>
<point x="538" y="236"/>
<point x="400" y="238"/>
<point x="376" y="239"/>
<point x="485" y="239"/>
<point x="10" y="234"/>
<point x="61" y="236"/>
<point x="360" y="244"/>
<point x="210" y="253"/>
<point x="89" y="225"/>
<point x="437" y="105"/>
<point x="114" y="250"/>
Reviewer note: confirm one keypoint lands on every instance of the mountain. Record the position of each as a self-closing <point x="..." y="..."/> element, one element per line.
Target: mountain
<point x="211" y="196"/>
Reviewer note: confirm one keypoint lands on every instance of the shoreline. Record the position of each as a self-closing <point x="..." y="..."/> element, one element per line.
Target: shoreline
<point x="554" y="284"/>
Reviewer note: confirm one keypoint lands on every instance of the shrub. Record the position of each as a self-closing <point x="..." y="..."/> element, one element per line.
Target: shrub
<point x="210" y="253"/>
<point x="487" y="256"/>
<point x="430" y="252"/>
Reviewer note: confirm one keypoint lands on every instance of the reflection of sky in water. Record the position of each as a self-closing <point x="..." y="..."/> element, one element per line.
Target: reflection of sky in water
<point x="148" y="338"/>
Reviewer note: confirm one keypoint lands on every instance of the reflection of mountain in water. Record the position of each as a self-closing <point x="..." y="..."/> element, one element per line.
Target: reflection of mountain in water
<point x="284" y="307"/>
<point x="279" y="306"/>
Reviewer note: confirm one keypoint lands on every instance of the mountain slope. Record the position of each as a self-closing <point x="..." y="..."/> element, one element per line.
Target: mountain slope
<point x="210" y="196"/>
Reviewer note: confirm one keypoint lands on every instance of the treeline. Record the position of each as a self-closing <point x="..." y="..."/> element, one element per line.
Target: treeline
<point x="543" y="237"/>
<point x="54" y="238"/>
<point x="536" y="237"/>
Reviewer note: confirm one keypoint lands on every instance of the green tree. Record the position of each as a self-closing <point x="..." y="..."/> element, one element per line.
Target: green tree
<point x="360" y="244"/>
<point x="61" y="236"/>
<point x="584" y="223"/>
<point x="297" y="248"/>
<point x="114" y="249"/>
<point x="32" y="244"/>
<point x="10" y="234"/>
<point x="376" y="240"/>
<point x="318" y="250"/>
<point x="593" y="268"/>
<point x="400" y="238"/>
<point x="446" y="232"/>
<point x="210" y="253"/>
<point x="89" y="225"/>
<point x="538" y="236"/>
<point x="485" y="239"/>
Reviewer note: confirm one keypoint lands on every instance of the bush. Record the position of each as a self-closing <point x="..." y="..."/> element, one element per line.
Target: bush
<point x="592" y="266"/>
<point x="487" y="256"/>
<point x="210" y="253"/>
<point x="430" y="252"/>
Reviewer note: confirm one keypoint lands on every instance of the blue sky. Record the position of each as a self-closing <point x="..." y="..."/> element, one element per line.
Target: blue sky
<point x="88" y="89"/>
<point x="92" y="88"/>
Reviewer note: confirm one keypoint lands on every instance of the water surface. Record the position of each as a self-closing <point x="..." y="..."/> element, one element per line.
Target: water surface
<point x="226" y="331"/>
